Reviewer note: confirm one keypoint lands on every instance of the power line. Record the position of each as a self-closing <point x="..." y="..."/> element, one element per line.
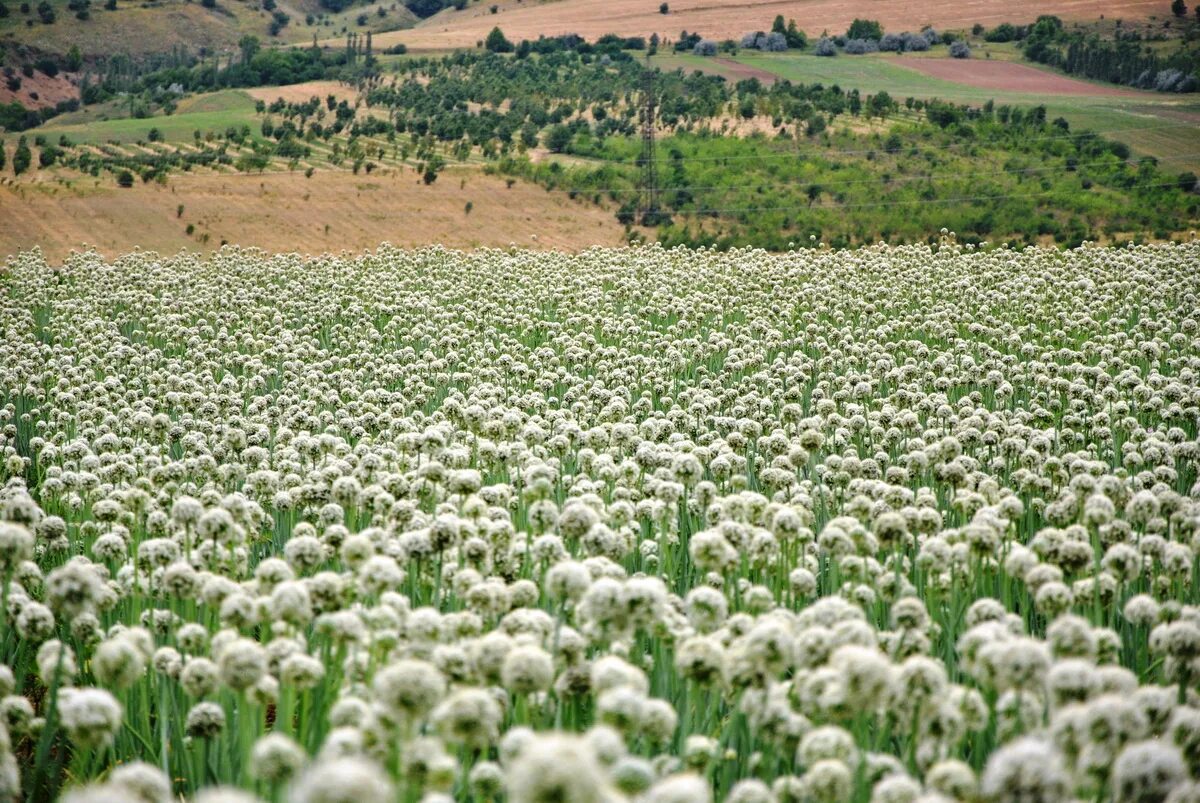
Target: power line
<point x="649" y="161"/>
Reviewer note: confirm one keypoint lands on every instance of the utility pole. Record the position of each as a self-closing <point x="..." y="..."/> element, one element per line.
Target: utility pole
<point x="650" y="211"/>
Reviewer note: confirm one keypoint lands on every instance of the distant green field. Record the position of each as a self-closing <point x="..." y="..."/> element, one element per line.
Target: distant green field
<point x="215" y="111"/>
<point x="1164" y="126"/>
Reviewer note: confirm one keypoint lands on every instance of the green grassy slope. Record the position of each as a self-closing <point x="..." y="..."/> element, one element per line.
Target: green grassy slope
<point x="215" y="111"/>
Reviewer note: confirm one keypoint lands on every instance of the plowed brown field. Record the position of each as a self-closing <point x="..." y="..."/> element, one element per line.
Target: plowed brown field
<point x="1012" y="77"/>
<point x="724" y="19"/>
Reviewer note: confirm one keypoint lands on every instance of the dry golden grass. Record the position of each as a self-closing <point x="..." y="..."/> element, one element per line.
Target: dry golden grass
<point x="301" y="93"/>
<point x="723" y="19"/>
<point x="332" y="211"/>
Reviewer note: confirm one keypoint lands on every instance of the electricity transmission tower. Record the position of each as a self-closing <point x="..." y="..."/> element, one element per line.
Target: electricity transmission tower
<point x="650" y="212"/>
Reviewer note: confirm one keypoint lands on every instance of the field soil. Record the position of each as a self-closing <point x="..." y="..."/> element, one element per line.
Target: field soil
<point x="1008" y="76"/>
<point x="724" y="19"/>
<point x="49" y="91"/>
<point x="283" y="212"/>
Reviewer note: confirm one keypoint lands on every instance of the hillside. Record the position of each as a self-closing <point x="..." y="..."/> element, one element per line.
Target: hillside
<point x="279" y="212"/>
<point x="161" y="25"/>
<point x="528" y="19"/>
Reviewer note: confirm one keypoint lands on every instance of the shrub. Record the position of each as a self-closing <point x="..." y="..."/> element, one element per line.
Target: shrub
<point x="773" y="43"/>
<point x="959" y="49"/>
<point x="1004" y="32"/>
<point x="825" y="47"/>
<point x="705" y="47"/>
<point x="857" y="47"/>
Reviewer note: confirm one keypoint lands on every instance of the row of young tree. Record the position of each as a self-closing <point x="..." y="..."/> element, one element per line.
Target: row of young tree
<point x="994" y="173"/>
<point x="1126" y="61"/>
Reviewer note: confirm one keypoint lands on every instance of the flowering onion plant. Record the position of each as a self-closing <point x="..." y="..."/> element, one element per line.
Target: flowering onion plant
<point x="668" y="526"/>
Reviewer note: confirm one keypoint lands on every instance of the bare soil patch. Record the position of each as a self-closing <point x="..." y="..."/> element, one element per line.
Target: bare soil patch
<point x="285" y="212"/>
<point x="50" y="91"/>
<point x="1012" y="77"/>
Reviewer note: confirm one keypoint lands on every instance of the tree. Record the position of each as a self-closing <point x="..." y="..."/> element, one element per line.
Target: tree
<point x="432" y="168"/>
<point x="46" y="13"/>
<point x="22" y="158"/>
<point x="796" y="38"/>
<point x="497" y="42"/>
<point x="125" y="179"/>
<point x="529" y="134"/>
<point x="865" y="29"/>
<point x="663" y="8"/>
<point x="1179" y="8"/>
<point x="249" y="46"/>
<point x="558" y="138"/>
<point x="74" y="62"/>
<point x="3" y="155"/>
